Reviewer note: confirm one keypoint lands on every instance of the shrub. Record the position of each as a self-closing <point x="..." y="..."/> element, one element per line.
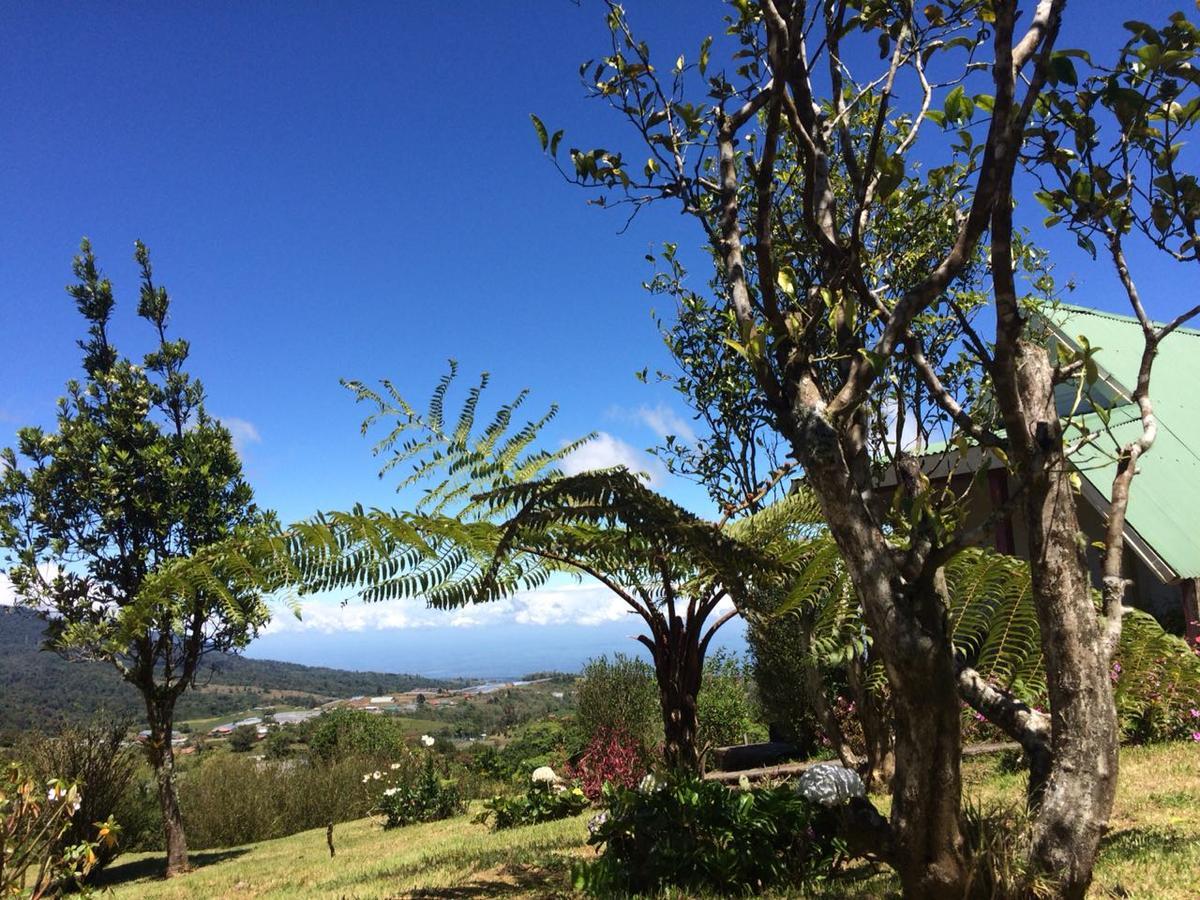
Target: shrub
<point x="618" y="694"/>
<point x="700" y="836"/>
<point x="92" y="756"/>
<point x="996" y="840"/>
<point x="35" y="818"/>
<point x="539" y="743"/>
<point x="231" y="799"/>
<point x="779" y="655"/>
<point x="1161" y="703"/>
<point x="139" y="814"/>
<point x="278" y="744"/>
<point x="243" y="738"/>
<point x="726" y="710"/>
<point x="611" y="757"/>
<point x="410" y="796"/>
<point x="342" y="733"/>
<point x="544" y="802"/>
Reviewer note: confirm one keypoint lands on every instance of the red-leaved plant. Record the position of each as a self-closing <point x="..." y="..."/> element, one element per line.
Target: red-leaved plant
<point x="612" y="755"/>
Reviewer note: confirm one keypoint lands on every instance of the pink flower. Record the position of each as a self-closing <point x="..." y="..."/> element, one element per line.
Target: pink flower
<point x="1196" y="736"/>
<point x="1195" y="713"/>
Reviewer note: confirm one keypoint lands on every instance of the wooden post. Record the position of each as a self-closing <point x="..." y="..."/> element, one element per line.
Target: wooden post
<point x="1189" y="591"/>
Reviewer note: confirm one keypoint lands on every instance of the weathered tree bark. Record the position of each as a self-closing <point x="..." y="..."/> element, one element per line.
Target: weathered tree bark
<point x="907" y="621"/>
<point x="1081" y="788"/>
<point x="679" y="672"/>
<point x="162" y="759"/>
<point x="814" y="690"/>
<point x="875" y="716"/>
<point x="1026" y="726"/>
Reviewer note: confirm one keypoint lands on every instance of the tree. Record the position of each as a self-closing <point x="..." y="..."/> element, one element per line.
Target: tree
<point x="503" y="518"/>
<point x="835" y="233"/>
<point x="114" y="522"/>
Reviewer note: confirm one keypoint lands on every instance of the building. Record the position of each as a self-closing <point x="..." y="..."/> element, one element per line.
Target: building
<point x="1162" y="540"/>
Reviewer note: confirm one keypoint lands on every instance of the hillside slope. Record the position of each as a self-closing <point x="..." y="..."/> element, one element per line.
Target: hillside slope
<point x="41" y="690"/>
<point x="1152" y="850"/>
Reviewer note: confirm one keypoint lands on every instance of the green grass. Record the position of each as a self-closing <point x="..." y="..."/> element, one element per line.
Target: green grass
<point x="1152" y="850"/>
<point x="454" y="858"/>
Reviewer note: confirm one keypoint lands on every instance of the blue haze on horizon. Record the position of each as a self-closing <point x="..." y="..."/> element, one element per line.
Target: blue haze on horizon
<point x="355" y="191"/>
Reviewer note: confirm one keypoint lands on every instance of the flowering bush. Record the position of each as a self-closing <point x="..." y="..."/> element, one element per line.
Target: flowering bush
<point x="410" y="795"/>
<point x="547" y="799"/>
<point x="613" y="756"/>
<point x="1160" y="704"/>
<point x="700" y="836"/>
<point x="34" y="817"/>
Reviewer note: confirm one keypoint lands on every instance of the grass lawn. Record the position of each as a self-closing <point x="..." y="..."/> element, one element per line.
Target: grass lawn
<point x="1152" y="850"/>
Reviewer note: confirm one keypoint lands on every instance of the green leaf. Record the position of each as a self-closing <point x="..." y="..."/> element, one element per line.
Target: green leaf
<point x="957" y="106"/>
<point x="891" y="174"/>
<point x="1062" y="70"/>
<point x="878" y="361"/>
<point x="785" y="282"/>
<point x="541" y="131"/>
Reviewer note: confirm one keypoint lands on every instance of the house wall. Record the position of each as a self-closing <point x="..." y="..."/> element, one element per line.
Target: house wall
<point x="1146" y="592"/>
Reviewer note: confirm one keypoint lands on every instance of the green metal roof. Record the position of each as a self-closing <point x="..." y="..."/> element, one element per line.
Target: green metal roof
<point x="1164" y="504"/>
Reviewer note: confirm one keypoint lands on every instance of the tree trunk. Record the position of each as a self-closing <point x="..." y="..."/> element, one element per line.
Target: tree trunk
<point x="162" y="758"/>
<point x="1079" y="793"/>
<point x="907" y="623"/>
<point x="927" y="785"/>
<point x="875" y="716"/>
<point x="679" y="671"/>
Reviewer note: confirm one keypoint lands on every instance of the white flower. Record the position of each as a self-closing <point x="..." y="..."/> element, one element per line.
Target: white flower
<point x="376" y="774"/>
<point x="366" y="778"/>
<point x="596" y="821"/>
<point x="544" y="775"/>
<point x="391" y="792"/>
<point x="427" y="740"/>
<point x="394" y="766"/>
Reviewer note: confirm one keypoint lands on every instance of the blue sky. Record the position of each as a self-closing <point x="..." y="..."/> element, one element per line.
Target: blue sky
<point x="348" y="190"/>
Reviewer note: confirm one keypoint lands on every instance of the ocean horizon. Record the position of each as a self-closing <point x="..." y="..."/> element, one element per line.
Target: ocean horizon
<point x="501" y="652"/>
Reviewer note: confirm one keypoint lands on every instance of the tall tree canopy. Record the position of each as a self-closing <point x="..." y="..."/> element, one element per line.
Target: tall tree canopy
<point x="853" y="168"/>
<point x="113" y="521"/>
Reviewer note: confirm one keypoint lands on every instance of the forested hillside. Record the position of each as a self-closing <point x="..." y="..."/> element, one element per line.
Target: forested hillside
<point x="40" y="690"/>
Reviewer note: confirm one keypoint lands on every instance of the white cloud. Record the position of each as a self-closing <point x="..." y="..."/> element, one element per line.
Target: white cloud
<point x="8" y="594"/>
<point x="244" y="433"/>
<point x="663" y="420"/>
<point x="909" y="435"/>
<point x="584" y="604"/>
<point x="605" y="451"/>
<point x="660" y="419"/>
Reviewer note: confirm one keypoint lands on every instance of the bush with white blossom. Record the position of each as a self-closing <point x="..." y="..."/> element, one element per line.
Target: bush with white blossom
<point x="548" y="798"/>
<point x="408" y="793"/>
<point x="34" y="818"/>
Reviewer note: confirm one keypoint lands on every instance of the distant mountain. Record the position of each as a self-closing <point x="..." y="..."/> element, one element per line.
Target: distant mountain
<point x="40" y="691"/>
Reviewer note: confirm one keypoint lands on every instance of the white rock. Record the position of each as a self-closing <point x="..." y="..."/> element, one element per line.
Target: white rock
<point x="544" y="775"/>
<point x="830" y="785"/>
